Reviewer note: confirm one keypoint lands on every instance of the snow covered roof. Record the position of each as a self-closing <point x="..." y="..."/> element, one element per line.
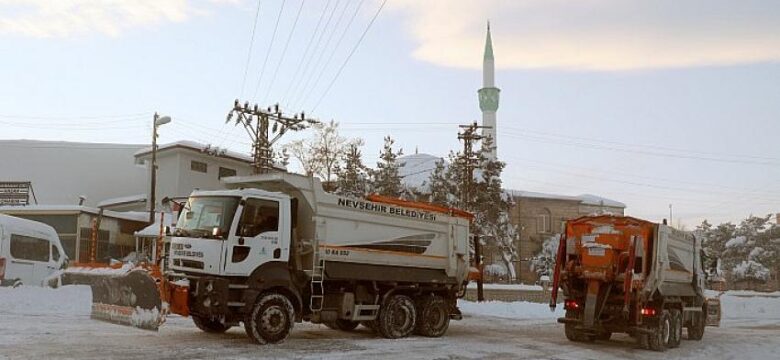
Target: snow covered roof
<point x="124" y="215"/>
<point x="153" y="230"/>
<point x="539" y="195"/>
<point x="195" y="146"/>
<point x="122" y="200"/>
<point x="590" y="199"/>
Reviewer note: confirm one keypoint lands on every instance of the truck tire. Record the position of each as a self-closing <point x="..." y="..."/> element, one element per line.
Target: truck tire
<point x="343" y="325"/>
<point x="433" y="316"/>
<point x="397" y="317"/>
<point x="572" y="333"/>
<point x="214" y="326"/>
<point x="271" y="319"/>
<point x="604" y="336"/>
<point x="676" y="330"/>
<point x="659" y="339"/>
<point x="696" y="326"/>
<point x="371" y="325"/>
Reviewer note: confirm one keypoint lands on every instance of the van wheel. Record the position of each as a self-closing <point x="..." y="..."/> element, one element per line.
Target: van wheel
<point x="271" y="319"/>
<point x="214" y="326"/>
<point x="696" y="326"/>
<point x="433" y="316"/>
<point x="659" y="339"/>
<point x="676" y="330"/>
<point x="397" y="317"/>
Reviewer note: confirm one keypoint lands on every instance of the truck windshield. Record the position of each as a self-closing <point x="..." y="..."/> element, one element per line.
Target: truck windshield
<point x="207" y="217"/>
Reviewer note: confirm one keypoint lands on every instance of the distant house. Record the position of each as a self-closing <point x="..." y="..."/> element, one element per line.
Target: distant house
<point x="538" y="216"/>
<point x="73" y="181"/>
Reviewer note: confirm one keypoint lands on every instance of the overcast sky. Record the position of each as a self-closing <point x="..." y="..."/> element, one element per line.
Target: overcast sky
<point x="645" y="102"/>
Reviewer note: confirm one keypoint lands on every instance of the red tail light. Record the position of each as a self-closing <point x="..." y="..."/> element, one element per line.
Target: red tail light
<point x="648" y="311"/>
<point x="571" y="305"/>
<point x="2" y="268"/>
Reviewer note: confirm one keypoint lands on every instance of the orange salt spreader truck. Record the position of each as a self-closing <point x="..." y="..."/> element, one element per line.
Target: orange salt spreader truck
<point x="622" y="274"/>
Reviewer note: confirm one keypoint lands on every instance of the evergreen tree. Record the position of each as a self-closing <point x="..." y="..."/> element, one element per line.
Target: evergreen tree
<point x="441" y="189"/>
<point x="353" y="177"/>
<point x="387" y="181"/>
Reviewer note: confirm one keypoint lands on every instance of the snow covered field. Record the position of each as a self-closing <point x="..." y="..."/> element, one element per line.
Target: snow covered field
<point x="46" y="323"/>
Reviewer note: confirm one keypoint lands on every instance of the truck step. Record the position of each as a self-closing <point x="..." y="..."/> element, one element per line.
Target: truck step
<point x="365" y="312"/>
<point x="236" y="303"/>
<point x="238" y="286"/>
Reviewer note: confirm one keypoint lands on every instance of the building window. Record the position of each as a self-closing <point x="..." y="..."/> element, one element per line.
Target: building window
<point x="543" y="224"/>
<point x="198" y="166"/>
<point x="29" y="248"/>
<point x="226" y="172"/>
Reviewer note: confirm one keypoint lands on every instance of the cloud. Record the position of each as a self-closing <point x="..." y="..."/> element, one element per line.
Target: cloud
<point x="594" y="34"/>
<point x="66" y="18"/>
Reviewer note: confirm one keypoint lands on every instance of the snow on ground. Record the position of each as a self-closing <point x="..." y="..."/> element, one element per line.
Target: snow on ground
<point x="55" y="324"/>
<point x="473" y="285"/>
<point x="33" y="300"/>
<point x="510" y="310"/>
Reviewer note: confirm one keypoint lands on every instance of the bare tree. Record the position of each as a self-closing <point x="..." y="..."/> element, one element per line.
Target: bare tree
<point x="323" y="152"/>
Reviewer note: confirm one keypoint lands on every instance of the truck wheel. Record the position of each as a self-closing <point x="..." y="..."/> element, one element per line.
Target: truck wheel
<point x="371" y="325"/>
<point x="433" y="316"/>
<point x="572" y="333"/>
<point x="271" y="319"/>
<point x="676" y="333"/>
<point x="696" y="326"/>
<point x="214" y="326"/>
<point x="343" y="325"/>
<point x="396" y="317"/>
<point x="659" y="339"/>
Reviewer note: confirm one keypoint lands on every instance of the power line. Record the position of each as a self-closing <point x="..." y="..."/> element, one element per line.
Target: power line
<point x="305" y="87"/>
<point x="349" y="56"/>
<point x="316" y="46"/>
<point x="251" y="44"/>
<point x="309" y="90"/>
<point x="284" y="51"/>
<point x="306" y="51"/>
<point x="638" y="151"/>
<point x="270" y="46"/>
<point x="76" y="117"/>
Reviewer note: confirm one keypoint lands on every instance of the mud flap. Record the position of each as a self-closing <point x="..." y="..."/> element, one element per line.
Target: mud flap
<point x="713" y="312"/>
<point x="591" y="300"/>
<point x="131" y="299"/>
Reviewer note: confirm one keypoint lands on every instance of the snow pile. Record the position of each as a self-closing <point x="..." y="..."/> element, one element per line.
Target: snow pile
<point x="101" y="270"/>
<point x="33" y="300"/>
<point x="510" y="310"/>
<point x="737" y="241"/>
<point x="750" y="307"/>
<point x="750" y="269"/>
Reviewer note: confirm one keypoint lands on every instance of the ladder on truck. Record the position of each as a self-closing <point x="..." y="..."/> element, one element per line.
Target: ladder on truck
<point x="317" y="283"/>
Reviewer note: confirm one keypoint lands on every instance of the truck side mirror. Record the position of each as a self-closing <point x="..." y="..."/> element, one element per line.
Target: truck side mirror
<point x="167" y="231"/>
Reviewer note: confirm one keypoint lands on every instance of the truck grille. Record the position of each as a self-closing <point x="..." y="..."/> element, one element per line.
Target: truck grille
<point x="188" y="263"/>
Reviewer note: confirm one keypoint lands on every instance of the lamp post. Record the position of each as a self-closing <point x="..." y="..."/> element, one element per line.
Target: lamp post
<point x="158" y="120"/>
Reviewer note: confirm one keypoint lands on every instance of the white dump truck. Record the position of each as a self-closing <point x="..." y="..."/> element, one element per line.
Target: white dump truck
<point x="276" y="249"/>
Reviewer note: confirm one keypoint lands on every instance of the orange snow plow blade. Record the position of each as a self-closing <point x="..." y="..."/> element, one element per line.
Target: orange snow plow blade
<point x="131" y="298"/>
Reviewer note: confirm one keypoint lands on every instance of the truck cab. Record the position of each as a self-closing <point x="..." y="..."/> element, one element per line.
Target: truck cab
<point x="231" y="232"/>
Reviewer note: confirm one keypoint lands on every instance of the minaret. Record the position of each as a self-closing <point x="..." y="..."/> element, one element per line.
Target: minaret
<point x="488" y="95"/>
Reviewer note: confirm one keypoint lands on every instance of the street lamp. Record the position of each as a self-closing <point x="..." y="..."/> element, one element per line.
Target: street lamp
<point x="158" y="120"/>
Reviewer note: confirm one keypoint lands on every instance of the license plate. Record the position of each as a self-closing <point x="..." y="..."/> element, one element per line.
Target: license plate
<point x="596" y="251"/>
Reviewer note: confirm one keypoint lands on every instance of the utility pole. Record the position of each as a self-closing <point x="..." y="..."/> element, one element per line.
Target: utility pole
<point x="671" y="223"/>
<point x="257" y="123"/>
<point x="156" y="122"/>
<point x="469" y="161"/>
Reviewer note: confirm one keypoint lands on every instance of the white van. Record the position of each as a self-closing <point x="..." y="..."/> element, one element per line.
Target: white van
<point x="30" y="252"/>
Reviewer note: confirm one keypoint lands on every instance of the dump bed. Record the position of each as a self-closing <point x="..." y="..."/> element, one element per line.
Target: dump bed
<point x="377" y="240"/>
<point x="667" y="259"/>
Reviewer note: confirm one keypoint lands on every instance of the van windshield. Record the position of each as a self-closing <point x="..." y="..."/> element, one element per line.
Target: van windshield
<point x="202" y="215"/>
